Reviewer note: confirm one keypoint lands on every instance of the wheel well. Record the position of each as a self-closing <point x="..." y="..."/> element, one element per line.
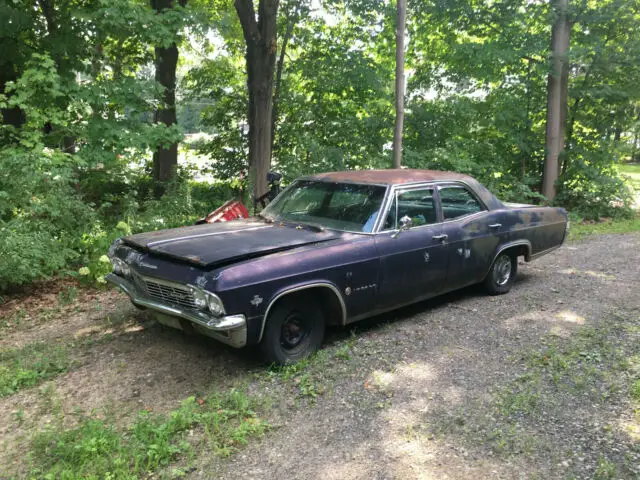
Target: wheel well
<point x="519" y="251"/>
<point x="326" y="298"/>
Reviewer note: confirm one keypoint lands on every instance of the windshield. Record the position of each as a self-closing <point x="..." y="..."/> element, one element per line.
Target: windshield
<point x="339" y="206"/>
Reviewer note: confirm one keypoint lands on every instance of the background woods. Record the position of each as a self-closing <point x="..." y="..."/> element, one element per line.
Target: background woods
<point x="126" y="115"/>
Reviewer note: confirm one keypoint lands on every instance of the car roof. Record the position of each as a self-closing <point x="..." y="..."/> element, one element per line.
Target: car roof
<point x="389" y="177"/>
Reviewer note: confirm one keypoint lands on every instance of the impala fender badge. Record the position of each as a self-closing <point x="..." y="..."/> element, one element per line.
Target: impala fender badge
<point x="426" y="256"/>
<point x="256" y="300"/>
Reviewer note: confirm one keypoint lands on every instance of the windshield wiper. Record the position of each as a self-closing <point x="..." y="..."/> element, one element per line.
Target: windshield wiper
<point x="313" y="226"/>
<point x="265" y="218"/>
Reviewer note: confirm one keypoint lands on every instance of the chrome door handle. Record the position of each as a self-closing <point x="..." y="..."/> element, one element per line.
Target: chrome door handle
<point x="442" y="237"/>
<point x="495" y="225"/>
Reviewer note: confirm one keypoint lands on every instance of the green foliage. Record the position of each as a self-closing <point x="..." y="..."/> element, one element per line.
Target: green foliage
<point x="594" y="191"/>
<point x="28" y="366"/>
<point x="95" y="448"/>
<point x="635" y="390"/>
<point x="80" y="78"/>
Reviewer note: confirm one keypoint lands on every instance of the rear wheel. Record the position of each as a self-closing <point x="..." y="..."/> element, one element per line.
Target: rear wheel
<point x="502" y="274"/>
<point x="294" y="330"/>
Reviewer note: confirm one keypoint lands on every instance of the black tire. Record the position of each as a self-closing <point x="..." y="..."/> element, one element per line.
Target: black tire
<point x="501" y="275"/>
<point x="294" y="330"/>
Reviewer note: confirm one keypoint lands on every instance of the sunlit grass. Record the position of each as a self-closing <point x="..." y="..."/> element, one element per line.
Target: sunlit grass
<point x="632" y="172"/>
<point x="631" y="169"/>
<point x="96" y="448"/>
<point x="30" y="365"/>
<point x="580" y="230"/>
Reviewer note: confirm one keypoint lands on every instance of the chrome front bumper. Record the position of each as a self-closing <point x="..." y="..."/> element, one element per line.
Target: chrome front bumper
<point x="231" y="329"/>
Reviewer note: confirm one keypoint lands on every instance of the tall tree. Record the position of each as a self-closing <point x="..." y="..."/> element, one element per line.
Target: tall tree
<point x="165" y="158"/>
<point x="294" y="11"/>
<point x="557" y="94"/>
<point x="401" y="20"/>
<point x="261" y="45"/>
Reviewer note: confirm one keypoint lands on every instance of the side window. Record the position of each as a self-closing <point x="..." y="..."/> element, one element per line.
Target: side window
<point x="417" y="204"/>
<point x="458" y="202"/>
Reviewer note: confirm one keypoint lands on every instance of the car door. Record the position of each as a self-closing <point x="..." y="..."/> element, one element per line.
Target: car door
<point x="473" y="233"/>
<point x="412" y="262"/>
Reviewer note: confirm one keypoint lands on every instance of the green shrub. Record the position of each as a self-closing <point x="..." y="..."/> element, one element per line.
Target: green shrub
<point x="594" y="192"/>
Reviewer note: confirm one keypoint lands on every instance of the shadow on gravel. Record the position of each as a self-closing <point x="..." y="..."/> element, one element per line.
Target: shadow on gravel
<point x="470" y="386"/>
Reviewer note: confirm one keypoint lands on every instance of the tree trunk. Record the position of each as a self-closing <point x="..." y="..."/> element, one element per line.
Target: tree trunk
<point x="557" y="86"/>
<point x="576" y="108"/>
<point x="165" y="158"/>
<point x="260" y="36"/>
<point x="10" y="116"/>
<point x="401" y="21"/>
<point x="279" y="68"/>
<point x="634" y="152"/>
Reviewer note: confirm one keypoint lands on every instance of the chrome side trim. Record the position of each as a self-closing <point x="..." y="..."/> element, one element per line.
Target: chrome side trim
<point x="220" y="328"/>
<point x="544" y="252"/>
<point x="297" y="289"/>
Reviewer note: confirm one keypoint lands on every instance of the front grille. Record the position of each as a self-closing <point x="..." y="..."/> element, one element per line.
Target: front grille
<point x="172" y="294"/>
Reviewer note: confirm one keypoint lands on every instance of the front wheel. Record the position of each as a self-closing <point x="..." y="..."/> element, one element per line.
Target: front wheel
<point x="294" y="330"/>
<point x="502" y="274"/>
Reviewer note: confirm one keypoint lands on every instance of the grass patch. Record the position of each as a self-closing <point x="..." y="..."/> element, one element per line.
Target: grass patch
<point x="307" y="376"/>
<point x="596" y="366"/>
<point x="632" y="171"/>
<point x="95" y="449"/>
<point x="30" y="365"/>
<point x="593" y="363"/>
<point x="635" y="390"/>
<point x="580" y="230"/>
<point x="314" y="375"/>
<point x="606" y="469"/>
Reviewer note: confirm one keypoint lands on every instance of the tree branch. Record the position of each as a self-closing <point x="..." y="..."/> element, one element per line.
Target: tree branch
<point x="291" y="20"/>
<point x="267" y="24"/>
<point x="48" y="10"/>
<point x="247" y="16"/>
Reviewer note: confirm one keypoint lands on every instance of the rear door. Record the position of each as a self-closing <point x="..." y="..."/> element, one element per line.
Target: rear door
<point x="413" y="262"/>
<point x="473" y="234"/>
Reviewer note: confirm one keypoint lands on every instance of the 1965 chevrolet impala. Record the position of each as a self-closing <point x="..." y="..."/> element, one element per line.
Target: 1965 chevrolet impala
<point x="332" y="249"/>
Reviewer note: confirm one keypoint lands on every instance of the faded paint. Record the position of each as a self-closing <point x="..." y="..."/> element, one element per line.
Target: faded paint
<point x="249" y="264"/>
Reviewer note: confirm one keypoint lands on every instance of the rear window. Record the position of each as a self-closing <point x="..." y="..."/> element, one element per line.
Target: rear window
<point x="458" y="202"/>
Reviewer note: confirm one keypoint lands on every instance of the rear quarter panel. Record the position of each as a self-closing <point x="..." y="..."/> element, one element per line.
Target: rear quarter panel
<point x="543" y="227"/>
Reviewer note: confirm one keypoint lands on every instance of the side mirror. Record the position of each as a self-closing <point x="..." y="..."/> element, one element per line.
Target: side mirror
<point x="405" y="224"/>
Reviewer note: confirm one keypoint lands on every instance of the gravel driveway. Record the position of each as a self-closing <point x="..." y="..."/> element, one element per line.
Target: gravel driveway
<point x="533" y="384"/>
<point x="422" y="394"/>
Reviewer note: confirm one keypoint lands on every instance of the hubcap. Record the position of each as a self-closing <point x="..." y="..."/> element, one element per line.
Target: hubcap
<point x="502" y="270"/>
<point x="294" y="331"/>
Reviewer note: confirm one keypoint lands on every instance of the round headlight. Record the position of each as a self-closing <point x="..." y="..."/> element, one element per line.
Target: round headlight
<point x="215" y="305"/>
<point x="117" y="265"/>
<point x="126" y="270"/>
<point x="199" y="298"/>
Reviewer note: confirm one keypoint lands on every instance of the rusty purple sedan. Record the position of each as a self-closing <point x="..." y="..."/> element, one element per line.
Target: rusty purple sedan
<point x="332" y="249"/>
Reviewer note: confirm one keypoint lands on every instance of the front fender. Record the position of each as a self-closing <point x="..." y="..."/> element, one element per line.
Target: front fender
<point x="300" y="287"/>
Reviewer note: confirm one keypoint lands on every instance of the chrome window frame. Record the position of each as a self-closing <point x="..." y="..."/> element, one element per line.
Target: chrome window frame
<point x="390" y="194"/>
<point x="458" y="184"/>
<point x="377" y="223"/>
<point x="399" y="190"/>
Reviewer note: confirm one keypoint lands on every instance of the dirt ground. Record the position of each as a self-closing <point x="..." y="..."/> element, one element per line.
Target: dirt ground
<point x="408" y="395"/>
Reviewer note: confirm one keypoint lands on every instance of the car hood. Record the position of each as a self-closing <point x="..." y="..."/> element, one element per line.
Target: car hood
<point x="217" y="244"/>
